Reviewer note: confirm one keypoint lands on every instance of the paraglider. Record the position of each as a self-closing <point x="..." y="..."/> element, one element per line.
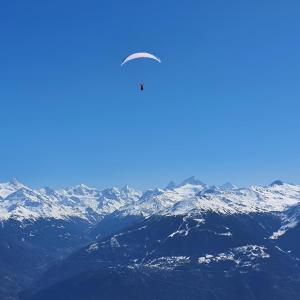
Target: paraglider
<point x="140" y="55"/>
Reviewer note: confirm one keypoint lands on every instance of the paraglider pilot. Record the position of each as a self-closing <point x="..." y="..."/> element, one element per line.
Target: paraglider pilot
<point x="140" y="55"/>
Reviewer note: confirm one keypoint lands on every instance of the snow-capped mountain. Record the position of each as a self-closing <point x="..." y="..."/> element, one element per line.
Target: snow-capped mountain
<point x="189" y="197"/>
<point x="20" y="202"/>
<point x="184" y="230"/>
<point x="9" y="187"/>
<point x="45" y="225"/>
<point x="159" y="201"/>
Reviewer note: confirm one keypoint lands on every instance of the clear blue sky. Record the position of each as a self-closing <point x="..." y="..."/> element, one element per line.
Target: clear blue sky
<point x="224" y="105"/>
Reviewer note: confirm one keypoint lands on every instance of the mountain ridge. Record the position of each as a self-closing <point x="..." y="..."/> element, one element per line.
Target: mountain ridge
<point x="187" y="227"/>
<point x="22" y="202"/>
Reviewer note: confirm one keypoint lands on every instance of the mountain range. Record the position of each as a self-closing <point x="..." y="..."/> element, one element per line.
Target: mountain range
<point x="185" y="241"/>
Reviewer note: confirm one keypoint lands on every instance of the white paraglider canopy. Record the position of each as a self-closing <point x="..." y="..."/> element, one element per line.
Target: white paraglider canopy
<point x="139" y="55"/>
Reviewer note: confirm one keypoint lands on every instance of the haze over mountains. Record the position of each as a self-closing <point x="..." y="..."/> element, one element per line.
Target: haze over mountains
<point x="119" y="242"/>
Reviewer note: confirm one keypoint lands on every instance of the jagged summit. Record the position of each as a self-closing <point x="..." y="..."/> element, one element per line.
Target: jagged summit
<point x="10" y="187"/>
<point x="15" y="183"/>
<point x="80" y="189"/>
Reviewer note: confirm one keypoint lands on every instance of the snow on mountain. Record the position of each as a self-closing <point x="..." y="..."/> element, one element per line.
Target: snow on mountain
<point x="158" y="201"/>
<point x="243" y="257"/>
<point x="290" y="219"/>
<point x="9" y="187"/>
<point x="21" y="202"/>
<point x="81" y="196"/>
<point x="199" y="198"/>
<point x="27" y="203"/>
<point x="190" y="197"/>
<point x="112" y="199"/>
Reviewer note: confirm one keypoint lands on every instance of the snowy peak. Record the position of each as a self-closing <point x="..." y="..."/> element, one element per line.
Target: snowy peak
<point x="113" y="198"/>
<point x="81" y="190"/>
<point x="10" y="187"/>
<point x="159" y="201"/>
<point x="23" y="194"/>
<point x="209" y="190"/>
<point x="116" y="194"/>
<point x="5" y="190"/>
<point x="15" y="183"/>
